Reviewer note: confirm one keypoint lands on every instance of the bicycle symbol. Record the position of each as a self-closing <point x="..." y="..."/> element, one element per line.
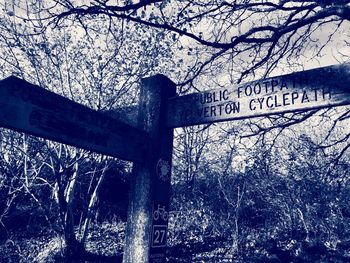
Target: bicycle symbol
<point x="160" y="213"/>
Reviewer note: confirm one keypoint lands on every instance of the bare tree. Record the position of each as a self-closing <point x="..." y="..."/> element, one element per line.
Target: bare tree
<point x="253" y="35"/>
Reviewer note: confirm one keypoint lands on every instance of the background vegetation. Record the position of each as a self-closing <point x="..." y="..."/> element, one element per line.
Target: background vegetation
<point x="273" y="189"/>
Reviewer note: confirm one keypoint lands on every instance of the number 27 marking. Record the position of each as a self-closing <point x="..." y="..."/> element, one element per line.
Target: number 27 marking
<point x="159" y="236"/>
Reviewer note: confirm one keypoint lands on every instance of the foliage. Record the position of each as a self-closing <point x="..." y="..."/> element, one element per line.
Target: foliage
<point x="23" y="246"/>
<point x="271" y="189"/>
<point x="287" y="202"/>
<point x="239" y="37"/>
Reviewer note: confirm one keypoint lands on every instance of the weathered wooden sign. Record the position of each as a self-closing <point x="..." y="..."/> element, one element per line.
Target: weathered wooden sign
<point x="34" y="110"/>
<point x="311" y="89"/>
<point x="29" y="108"/>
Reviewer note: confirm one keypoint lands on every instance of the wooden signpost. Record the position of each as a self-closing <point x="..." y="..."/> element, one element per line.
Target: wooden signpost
<point x="29" y="108"/>
<point x="148" y="214"/>
<point x="312" y="89"/>
<point x="34" y="110"/>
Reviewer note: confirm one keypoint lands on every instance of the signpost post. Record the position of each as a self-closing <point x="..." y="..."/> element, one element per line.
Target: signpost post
<point x="148" y="214"/>
<point x="34" y="110"/>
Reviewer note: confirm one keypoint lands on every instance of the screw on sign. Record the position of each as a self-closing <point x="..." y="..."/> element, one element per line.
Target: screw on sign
<point x="160" y="212"/>
<point x="160" y="221"/>
<point x="159" y="232"/>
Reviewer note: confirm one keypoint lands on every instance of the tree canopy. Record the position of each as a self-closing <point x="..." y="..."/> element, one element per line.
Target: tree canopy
<point x="240" y="36"/>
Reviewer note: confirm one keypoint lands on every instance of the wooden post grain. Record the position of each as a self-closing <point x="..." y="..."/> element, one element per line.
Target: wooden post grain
<point x="148" y="213"/>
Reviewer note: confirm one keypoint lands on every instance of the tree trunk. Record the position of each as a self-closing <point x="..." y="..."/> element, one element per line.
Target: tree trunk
<point x="92" y="206"/>
<point x="73" y="246"/>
